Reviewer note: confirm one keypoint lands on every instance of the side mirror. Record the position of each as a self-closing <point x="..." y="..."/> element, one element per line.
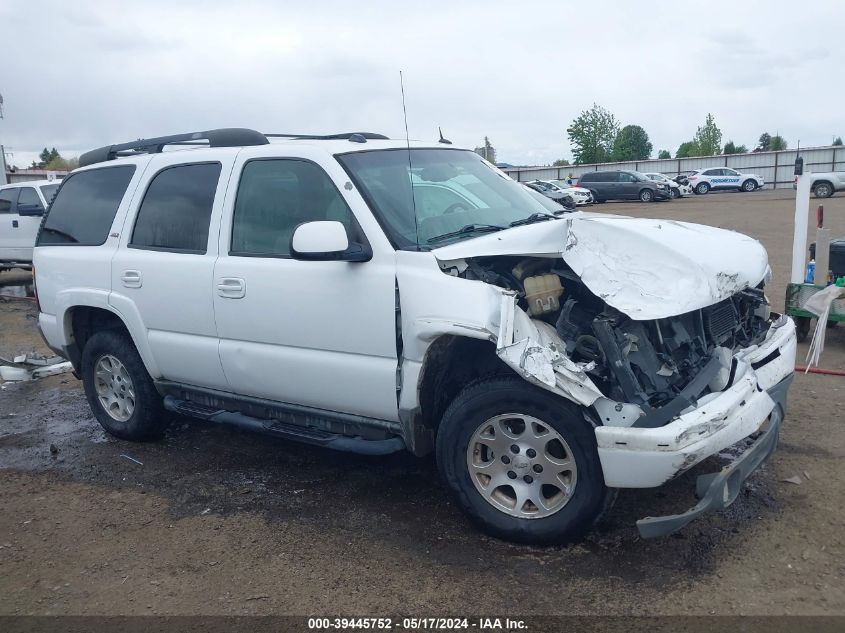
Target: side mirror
<point x="30" y="210"/>
<point x="326" y="241"/>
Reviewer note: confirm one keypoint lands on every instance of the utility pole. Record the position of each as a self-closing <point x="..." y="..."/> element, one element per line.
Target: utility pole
<point x="2" y="152"/>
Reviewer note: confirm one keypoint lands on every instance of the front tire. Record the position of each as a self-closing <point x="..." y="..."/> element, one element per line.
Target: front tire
<point x="646" y="195"/>
<point x="674" y="193"/>
<point x="119" y="390"/>
<point x="702" y="188"/>
<point x="521" y="462"/>
<point x="749" y="186"/>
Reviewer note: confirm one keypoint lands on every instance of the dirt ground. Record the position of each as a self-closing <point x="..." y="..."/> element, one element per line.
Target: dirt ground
<point x="217" y="521"/>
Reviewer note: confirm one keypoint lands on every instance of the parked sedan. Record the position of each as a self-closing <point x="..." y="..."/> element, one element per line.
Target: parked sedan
<point x="579" y="194"/>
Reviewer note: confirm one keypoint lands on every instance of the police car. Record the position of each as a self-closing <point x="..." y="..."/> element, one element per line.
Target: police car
<point x="721" y="178"/>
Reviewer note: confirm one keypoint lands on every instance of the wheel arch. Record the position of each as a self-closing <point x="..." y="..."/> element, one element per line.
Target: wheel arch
<point x="82" y="320"/>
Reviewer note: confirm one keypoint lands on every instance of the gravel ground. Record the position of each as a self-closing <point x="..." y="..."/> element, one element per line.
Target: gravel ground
<point x="216" y="521"/>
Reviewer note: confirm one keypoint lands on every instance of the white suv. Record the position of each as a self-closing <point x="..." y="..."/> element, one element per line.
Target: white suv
<point x="355" y="293"/>
<point x="722" y="178"/>
<point x="21" y="208"/>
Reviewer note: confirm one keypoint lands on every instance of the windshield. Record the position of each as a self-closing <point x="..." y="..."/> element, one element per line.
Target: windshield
<point x="49" y="191"/>
<point x="452" y="190"/>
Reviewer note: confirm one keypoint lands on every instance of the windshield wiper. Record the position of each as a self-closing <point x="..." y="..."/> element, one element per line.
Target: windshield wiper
<point x="534" y="217"/>
<point x="465" y="230"/>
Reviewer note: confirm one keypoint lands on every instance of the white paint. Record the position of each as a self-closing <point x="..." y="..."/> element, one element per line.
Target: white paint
<point x="799" y="241"/>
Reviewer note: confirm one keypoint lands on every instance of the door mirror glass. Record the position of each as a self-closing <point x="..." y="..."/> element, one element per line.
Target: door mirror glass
<point x="325" y="240"/>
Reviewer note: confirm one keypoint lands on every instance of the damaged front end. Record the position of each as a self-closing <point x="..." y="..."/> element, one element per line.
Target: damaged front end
<point x="664" y="388"/>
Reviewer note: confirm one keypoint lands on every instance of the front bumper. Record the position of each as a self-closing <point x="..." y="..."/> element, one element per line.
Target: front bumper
<point x="662" y="194"/>
<point x="633" y="457"/>
<point x="717" y="491"/>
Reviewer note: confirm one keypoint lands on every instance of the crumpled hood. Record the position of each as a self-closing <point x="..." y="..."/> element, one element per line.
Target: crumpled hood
<point x="647" y="269"/>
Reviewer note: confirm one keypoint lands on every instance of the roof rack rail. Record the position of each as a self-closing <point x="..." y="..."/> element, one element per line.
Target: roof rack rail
<point x="349" y="136"/>
<point x="223" y="137"/>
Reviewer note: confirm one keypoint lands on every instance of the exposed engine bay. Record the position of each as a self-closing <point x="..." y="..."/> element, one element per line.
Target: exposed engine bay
<point x="662" y="366"/>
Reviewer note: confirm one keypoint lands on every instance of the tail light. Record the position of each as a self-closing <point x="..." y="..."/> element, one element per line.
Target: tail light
<point x="692" y="177"/>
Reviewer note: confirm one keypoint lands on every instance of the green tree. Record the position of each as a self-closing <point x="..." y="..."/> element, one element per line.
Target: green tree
<point x="664" y="153"/>
<point x="731" y="148"/>
<point x="47" y="156"/>
<point x="708" y="138"/>
<point x="687" y="149"/>
<point x="777" y="143"/>
<point x="592" y="135"/>
<point x="765" y="142"/>
<point x="837" y="140"/>
<point x="487" y="151"/>
<point x="560" y="162"/>
<point x="631" y="143"/>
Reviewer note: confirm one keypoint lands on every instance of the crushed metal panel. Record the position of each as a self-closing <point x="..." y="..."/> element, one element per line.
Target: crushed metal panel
<point x="535" y="351"/>
<point x="653" y="269"/>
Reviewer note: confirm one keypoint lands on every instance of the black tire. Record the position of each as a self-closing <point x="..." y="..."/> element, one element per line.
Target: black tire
<point x="822" y="189"/>
<point x="802" y="328"/>
<point x="831" y="323"/>
<point x="646" y="195"/>
<point x="149" y="418"/>
<point x="749" y="185"/>
<point x="702" y="188"/>
<point x="674" y="193"/>
<point x="490" y="397"/>
<point x="596" y="199"/>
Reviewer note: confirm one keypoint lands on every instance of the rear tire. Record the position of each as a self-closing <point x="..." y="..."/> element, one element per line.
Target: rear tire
<point x="823" y="190"/>
<point x="702" y="188"/>
<point x="119" y="390"/>
<point x="527" y="498"/>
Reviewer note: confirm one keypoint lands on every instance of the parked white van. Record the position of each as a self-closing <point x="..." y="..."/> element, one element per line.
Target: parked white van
<point x="369" y="295"/>
<point x="21" y="208"/>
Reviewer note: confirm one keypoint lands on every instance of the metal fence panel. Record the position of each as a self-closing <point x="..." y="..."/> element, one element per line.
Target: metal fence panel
<point x="776" y="168"/>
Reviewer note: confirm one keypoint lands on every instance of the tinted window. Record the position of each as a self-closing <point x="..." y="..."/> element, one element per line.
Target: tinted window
<point x="176" y="209"/>
<point x="274" y="197"/>
<point x="49" y="192"/>
<point x="712" y="172"/>
<point x="83" y="211"/>
<point x="589" y="177"/>
<point x="606" y="176"/>
<point x="626" y="177"/>
<point x="7" y="199"/>
<point x="29" y="198"/>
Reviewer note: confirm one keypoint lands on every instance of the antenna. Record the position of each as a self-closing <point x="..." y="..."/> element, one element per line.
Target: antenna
<point x="410" y="166"/>
<point x="445" y="141"/>
<point x="1" y="106"/>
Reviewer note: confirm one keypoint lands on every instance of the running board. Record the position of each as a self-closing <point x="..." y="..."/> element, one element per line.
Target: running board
<point x="306" y="434"/>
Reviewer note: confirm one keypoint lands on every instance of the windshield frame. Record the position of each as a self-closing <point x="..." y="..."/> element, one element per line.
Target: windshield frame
<point x="399" y="241"/>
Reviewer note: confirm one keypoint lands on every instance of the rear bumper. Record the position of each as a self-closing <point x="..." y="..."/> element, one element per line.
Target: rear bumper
<point x="718" y="490"/>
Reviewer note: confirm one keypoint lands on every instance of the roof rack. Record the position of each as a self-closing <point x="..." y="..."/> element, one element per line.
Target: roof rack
<point x="349" y="136"/>
<point x="224" y="137"/>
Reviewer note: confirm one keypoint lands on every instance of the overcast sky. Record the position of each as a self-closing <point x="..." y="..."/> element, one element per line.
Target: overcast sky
<point x="80" y="74"/>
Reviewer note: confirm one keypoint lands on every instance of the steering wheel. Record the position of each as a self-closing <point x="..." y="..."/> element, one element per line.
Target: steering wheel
<point x="456" y="206"/>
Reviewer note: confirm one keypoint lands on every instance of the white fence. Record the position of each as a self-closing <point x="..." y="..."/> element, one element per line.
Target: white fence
<point x="776" y="168"/>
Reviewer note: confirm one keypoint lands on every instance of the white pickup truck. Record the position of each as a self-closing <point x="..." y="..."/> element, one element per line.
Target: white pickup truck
<point x="824" y="185"/>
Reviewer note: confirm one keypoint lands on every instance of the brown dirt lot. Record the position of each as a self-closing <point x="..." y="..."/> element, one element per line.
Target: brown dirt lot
<point x="218" y="521"/>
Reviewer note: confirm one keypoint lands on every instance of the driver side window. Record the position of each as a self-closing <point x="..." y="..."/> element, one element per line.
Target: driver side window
<point x="277" y="195"/>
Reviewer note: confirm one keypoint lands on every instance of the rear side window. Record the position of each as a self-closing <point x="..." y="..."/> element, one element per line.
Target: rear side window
<point x="7" y="199"/>
<point x="83" y="211"/>
<point x="176" y="210"/>
<point x="590" y="177"/>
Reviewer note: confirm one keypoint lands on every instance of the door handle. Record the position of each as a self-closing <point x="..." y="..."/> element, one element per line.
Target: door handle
<point x="14" y="224"/>
<point x="131" y="278"/>
<point x="231" y="288"/>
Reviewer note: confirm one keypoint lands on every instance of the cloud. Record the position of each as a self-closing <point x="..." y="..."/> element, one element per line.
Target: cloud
<point x="85" y="74"/>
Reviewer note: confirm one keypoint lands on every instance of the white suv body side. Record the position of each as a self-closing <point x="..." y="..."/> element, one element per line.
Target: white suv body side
<point x="721" y="178"/>
<point x="360" y="339"/>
